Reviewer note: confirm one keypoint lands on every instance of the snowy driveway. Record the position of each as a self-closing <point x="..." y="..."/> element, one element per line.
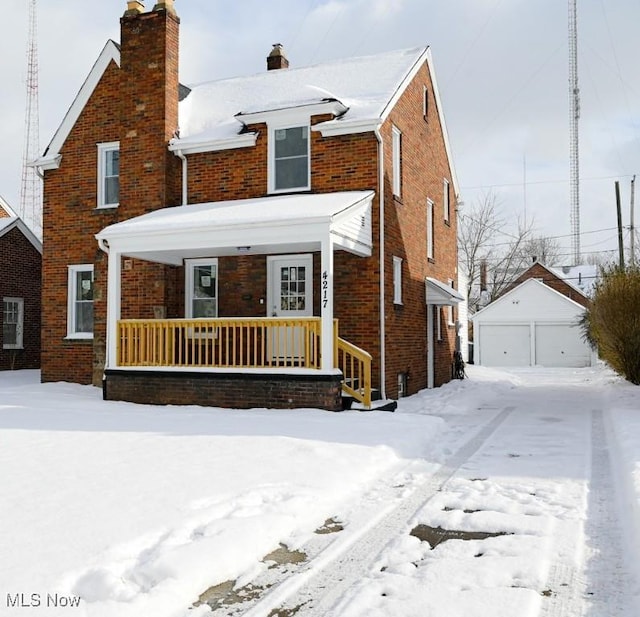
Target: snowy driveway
<point x="491" y="496"/>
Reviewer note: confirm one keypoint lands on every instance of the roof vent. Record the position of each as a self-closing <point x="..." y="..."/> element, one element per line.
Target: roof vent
<point x="276" y="59"/>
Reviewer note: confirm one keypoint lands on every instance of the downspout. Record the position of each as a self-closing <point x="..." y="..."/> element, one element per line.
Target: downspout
<point x="383" y="372"/>
<point x="183" y="158"/>
<point x="104" y="246"/>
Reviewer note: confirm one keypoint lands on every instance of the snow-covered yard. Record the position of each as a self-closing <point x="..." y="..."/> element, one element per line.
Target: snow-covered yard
<point x="137" y="510"/>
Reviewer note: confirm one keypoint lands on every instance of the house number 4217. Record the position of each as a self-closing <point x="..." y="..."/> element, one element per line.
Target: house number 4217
<point x="325" y="288"/>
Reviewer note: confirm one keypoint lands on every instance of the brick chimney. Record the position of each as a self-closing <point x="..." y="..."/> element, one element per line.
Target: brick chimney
<point x="276" y="59"/>
<point x="149" y="173"/>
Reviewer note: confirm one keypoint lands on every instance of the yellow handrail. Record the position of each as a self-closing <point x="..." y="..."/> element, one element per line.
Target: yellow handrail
<point x="355" y="364"/>
<point x="241" y="342"/>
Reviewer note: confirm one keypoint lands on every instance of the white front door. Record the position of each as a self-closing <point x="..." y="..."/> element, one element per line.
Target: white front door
<point x="290" y="295"/>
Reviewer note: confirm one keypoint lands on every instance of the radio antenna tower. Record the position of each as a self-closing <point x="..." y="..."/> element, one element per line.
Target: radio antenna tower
<point x="574" y="116"/>
<point x="31" y="187"/>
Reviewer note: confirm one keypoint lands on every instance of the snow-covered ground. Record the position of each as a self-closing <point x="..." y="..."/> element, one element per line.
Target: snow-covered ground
<point x="131" y="510"/>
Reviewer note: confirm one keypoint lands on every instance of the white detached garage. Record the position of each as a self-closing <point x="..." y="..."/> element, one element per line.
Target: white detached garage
<point x="530" y="325"/>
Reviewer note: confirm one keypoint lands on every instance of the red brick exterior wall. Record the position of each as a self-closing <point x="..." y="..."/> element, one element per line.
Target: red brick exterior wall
<point x="132" y="105"/>
<point x="424" y="167"/>
<point x="20" y="275"/>
<point x="238" y="391"/>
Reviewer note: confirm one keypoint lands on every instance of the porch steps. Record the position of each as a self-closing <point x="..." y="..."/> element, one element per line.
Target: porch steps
<point x="377" y="404"/>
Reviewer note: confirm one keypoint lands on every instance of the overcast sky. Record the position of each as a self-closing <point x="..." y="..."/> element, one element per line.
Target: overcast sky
<point x="501" y="67"/>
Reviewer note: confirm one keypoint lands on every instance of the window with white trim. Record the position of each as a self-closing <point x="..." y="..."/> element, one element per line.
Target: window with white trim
<point x="289" y="158"/>
<point x="396" y="155"/>
<point x="450" y="307"/>
<point x="438" y="312"/>
<point x="425" y="102"/>
<point x="12" y="322"/>
<point x="397" y="280"/>
<point x="80" y="301"/>
<point x="108" y="174"/>
<point x="446" y="200"/>
<point x="430" y="239"/>
<point x="201" y="295"/>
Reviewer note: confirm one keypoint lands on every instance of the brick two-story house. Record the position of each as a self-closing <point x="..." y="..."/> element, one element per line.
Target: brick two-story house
<point x="259" y="241"/>
<point x="20" y="269"/>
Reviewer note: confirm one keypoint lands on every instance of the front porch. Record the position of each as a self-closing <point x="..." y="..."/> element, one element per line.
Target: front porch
<point x="288" y="358"/>
<point x="242" y="346"/>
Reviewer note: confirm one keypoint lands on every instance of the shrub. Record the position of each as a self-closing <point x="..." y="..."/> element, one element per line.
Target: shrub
<point x="612" y="323"/>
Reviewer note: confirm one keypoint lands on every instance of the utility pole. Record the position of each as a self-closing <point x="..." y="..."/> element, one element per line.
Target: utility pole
<point x="619" y="211"/>
<point x="632" y="257"/>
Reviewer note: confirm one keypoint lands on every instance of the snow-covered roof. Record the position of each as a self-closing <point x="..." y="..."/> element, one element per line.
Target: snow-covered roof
<point x="582" y="277"/>
<point x="7" y="223"/>
<point x="248" y="226"/>
<point x="365" y="85"/>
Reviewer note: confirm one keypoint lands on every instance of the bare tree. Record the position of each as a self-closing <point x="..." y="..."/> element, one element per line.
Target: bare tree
<point x="477" y="225"/>
<point x="543" y="249"/>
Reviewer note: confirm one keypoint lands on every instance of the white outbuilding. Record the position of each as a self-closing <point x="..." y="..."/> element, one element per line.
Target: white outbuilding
<point x="531" y="325"/>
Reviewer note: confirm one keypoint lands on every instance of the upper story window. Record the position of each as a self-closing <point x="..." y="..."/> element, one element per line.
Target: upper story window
<point x="446" y="200"/>
<point x="430" y="229"/>
<point x="396" y="154"/>
<point x="397" y="280"/>
<point x="289" y="159"/>
<point x="80" y="301"/>
<point x="12" y="322"/>
<point x="108" y="174"/>
<point x="425" y="102"/>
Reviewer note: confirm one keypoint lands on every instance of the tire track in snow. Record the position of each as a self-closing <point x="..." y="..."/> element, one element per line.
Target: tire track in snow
<point x="601" y="590"/>
<point x="318" y="585"/>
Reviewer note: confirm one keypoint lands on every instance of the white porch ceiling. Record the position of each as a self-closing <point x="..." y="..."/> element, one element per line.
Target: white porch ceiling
<point x="266" y="225"/>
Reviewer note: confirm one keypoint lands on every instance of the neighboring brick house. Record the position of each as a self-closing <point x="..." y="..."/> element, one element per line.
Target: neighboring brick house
<point x="279" y="180"/>
<point x="552" y="278"/>
<point x="20" y="270"/>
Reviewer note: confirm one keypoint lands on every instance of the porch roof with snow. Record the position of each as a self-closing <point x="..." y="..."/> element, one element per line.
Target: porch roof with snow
<point x="282" y="223"/>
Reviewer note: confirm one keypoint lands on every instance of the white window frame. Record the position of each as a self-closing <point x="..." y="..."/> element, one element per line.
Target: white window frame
<point x="425" y="102"/>
<point x="446" y="200"/>
<point x="73" y="271"/>
<point x="430" y="231"/>
<point x="19" y="323"/>
<point x="438" y="312"/>
<point x="450" y="321"/>
<point x="103" y="150"/>
<point x="396" y="156"/>
<point x="273" y="127"/>
<point x="397" y="280"/>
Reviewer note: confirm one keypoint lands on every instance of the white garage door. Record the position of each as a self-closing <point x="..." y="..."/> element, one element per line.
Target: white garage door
<point x="561" y="345"/>
<point x="505" y="345"/>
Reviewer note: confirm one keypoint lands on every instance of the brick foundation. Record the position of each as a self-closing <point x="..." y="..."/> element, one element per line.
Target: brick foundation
<point x="233" y="390"/>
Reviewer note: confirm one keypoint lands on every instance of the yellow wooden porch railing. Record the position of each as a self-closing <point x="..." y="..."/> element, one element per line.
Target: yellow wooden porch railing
<point x="240" y="342"/>
<point x="355" y="364"/>
<point x="220" y="343"/>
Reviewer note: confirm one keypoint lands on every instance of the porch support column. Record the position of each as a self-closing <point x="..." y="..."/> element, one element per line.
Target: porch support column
<point x="113" y="307"/>
<point x="326" y="303"/>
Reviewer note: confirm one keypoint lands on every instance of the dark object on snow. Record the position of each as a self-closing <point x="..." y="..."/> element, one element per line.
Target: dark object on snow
<point x="458" y="365"/>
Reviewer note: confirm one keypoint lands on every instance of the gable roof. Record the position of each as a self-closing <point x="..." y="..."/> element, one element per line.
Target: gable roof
<point x="212" y="115"/>
<point x="552" y="273"/>
<point x="361" y="91"/>
<point x="12" y="221"/>
<point x="582" y="278"/>
<point x="531" y="284"/>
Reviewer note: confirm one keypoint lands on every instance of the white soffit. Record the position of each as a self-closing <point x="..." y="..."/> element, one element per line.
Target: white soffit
<point x="441" y="294"/>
